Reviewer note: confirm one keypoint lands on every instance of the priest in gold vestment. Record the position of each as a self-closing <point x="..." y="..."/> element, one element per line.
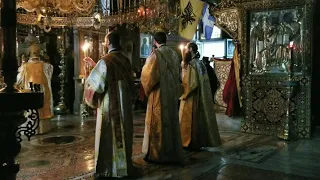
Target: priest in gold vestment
<point x="160" y="79"/>
<point x="197" y="117"/>
<point x="38" y="72"/>
<point x="110" y="88"/>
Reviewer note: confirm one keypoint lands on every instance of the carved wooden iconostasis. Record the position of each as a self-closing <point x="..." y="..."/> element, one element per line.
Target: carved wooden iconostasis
<point x="276" y="58"/>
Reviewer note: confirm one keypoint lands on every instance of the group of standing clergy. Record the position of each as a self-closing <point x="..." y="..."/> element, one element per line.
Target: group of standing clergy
<point x="110" y="88"/>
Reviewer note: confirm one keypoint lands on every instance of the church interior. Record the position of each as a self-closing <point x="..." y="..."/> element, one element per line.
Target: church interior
<point x="263" y="55"/>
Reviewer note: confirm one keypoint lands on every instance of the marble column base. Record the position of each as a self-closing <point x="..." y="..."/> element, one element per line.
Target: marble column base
<point x="78" y="97"/>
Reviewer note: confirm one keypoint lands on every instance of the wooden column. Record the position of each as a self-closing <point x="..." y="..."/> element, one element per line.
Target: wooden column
<point x="8" y="24"/>
<point x="10" y="148"/>
<point x="12" y="102"/>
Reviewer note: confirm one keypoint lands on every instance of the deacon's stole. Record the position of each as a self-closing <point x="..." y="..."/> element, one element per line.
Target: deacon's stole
<point x="209" y="126"/>
<point x="188" y="104"/>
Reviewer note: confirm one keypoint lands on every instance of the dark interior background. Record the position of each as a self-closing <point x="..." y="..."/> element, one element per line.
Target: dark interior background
<point x="316" y="67"/>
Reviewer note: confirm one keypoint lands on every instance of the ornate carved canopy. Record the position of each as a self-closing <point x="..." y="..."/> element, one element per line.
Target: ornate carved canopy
<point x="64" y="6"/>
<point x="227" y="17"/>
<point x="148" y="15"/>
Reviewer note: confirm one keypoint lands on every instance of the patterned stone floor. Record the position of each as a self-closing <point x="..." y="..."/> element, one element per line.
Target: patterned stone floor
<point x="67" y="152"/>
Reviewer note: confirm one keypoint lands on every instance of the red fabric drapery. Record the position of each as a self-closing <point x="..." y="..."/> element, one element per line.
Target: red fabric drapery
<point x="230" y="93"/>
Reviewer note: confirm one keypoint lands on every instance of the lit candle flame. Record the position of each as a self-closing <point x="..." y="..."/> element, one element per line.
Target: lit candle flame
<point x="181" y="47"/>
<point x="291" y="44"/>
<point x="85" y="46"/>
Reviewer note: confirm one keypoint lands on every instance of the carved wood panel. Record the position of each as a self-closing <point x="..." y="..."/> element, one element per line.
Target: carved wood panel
<point x="266" y="106"/>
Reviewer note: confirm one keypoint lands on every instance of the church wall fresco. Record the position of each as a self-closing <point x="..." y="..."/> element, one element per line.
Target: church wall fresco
<point x="276" y="55"/>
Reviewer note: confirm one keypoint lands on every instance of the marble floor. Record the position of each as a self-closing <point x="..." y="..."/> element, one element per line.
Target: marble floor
<point x="67" y="152"/>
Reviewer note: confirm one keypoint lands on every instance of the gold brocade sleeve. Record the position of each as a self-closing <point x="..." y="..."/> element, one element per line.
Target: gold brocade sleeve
<point x="150" y="75"/>
<point x="190" y="82"/>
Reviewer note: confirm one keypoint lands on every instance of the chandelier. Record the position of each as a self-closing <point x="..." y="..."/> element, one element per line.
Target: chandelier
<point x="42" y="11"/>
<point x="83" y="7"/>
<point x="164" y="16"/>
<point x="148" y="15"/>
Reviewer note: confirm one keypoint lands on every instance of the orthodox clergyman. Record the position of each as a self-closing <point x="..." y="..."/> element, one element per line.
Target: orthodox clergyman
<point x="160" y="79"/>
<point x="110" y="88"/>
<point x="197" y="118"/>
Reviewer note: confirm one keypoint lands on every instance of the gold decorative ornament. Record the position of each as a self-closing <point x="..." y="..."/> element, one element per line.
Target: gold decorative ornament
<point x="227" y="17"/>
<point x="228" y="20"/>
<point x="150" y="16"/>
<point x="286" y="95"/>
<point x="97" y="20"/>
<point x="64" y="6"/>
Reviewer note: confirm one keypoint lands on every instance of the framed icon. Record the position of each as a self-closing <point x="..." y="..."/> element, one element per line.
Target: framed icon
<point x="230" y="48"/>
<point x="145" y="45"/>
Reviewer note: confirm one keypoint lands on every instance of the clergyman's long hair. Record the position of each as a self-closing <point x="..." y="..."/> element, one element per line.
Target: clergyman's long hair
<point x="187" y="57"/>
<point x="194" y="48"/>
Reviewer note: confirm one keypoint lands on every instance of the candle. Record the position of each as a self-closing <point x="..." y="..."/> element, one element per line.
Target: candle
<point x="291" y="46"/>
<point x="260" y="45"/>
<point x="181" y="49"/>
<point x="85" y="48"/>
<point x="279" y="39"/>
<point x="286" y="39"/>
<point x="112" y="10"/>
